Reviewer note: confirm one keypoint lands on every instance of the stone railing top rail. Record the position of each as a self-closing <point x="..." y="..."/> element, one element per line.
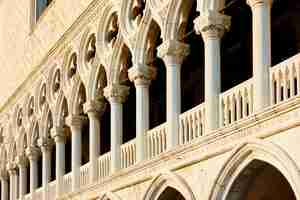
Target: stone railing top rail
<point x="287" y="62"/>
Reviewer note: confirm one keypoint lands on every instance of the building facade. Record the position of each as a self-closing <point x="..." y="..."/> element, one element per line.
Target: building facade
<point x="150" y="99"/>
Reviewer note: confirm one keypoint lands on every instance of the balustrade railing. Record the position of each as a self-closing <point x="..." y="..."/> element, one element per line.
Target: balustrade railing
<point x="156" y="140"/>
<point x="52" y="190"/>
<point x="285" y="80"/>
<point x="84" y="175"/>
<point x="128" y="154"/>
<point x="237" y="103"/>
<point x="104" y="165"/>
<point x="192" y="124"/>
<point x="67" y="183"/>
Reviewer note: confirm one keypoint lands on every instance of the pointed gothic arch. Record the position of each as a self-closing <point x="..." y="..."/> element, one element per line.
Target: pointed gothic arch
<point x="247" y="153"/>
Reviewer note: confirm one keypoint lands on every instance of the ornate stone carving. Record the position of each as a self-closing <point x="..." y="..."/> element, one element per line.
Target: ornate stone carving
<point x="94" y="107"/>
<point x="33" y="153"/>
<point x="212" y="24"/>
<point x="22" y="161"/>
<point x="58" y="134"/>
<point x="116" y="93"/>
<point x="46" y="144"/>
<point x="76" y="120"/>
<point x="142" y="75"/>
<point x="3" y="174"/>
<point x="173" y="49"/>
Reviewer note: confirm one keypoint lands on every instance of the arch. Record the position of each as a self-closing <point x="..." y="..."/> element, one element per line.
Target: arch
<point x="54" y="83"/>
<point x="246" y="153"/>
<point x="97" y="80"/>
<point x="33" y="133"/>
<point x="171" y="180"/>
<point x="61" y="110"/>
<point x="45" y="120"/>
<point x="77" y="98"/>
<point x="108" y="196"/>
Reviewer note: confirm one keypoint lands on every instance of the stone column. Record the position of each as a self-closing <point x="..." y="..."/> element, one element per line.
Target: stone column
<point x="94" y="109"/>
<point x="142" y="76"/>
<point x="46" y="145"/>
<point x="261" y="17"/>
<point x="173" y="53"/>
<point x="212" y="25"/>
<point x="22" y="163"/>
<point x="4" y="184"/>
<point x="33" y="153"/>
<point x="116" y="95"/>
<point x="13" y="181"/>
<point x="59" y="137"/>
<point x="75" y="123"/>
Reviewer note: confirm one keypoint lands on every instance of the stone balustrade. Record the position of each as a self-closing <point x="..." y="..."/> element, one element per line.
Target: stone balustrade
<point x="84" y="175"/>
<point x="237" y="103"/>
<point x="192" y="124"/>
<point x="67" y="183"/>
<point x="285" y="80"/>
<point x="128" y="154"/>
<point x="156" y="140"/>
<point x="104" y="165"/>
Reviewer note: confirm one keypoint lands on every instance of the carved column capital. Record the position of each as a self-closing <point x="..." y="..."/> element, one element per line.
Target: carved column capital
<point x="11" y="168"/>
<point x="94" y="108"/>
<point x="257" y="3"/>
<point x="22" y="161"/>
<point x="46" y="144"/>
<point x="76" y="120"/>
<point x="173" y="51"/>
<point x="58" y="134"/>
<point x="142" y="74"/>
<point x="116" y="93"/>
<point x="212" y="24"/>
<point x="33" y="153"/>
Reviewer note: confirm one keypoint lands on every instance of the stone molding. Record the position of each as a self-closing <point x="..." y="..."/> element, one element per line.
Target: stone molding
<point x="212" y="25"/>
<point x="116" y="93"/>
<point x="173" y="52"/>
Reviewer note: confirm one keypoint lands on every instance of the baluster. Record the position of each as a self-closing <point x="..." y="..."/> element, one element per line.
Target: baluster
<point x="181" y="135"/>
<point x="292" y="78"/>
<point x="278" y="87"/>
<point x="226" y="112"/>
<point x="238" y="106"/>
<point x="272" y="84"/>
<point x="232" y="109"/>
<point x="298" y="77"/>
<point x="194" y="129"/>
<point x="285" y="84"/>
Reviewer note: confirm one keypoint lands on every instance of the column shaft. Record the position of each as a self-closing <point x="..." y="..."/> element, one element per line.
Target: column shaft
<point x="261" y="55"/>
<point x="46" y="167"/>
<point x="4" y="189"/>
<point x="116" y="134"/>
<point x="142" y="119"/>
<point x="33" y="174"/>
<point x="212" y="82"/>
<point x="94" y="145"/>
<point x="23" y="181"/>
<point x="60" y="164"/>
<point x="76" y="157"/>
<point x="173" y="103"/>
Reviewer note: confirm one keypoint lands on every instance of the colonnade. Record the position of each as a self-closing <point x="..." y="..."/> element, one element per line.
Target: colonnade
<point x="211" y="25"/>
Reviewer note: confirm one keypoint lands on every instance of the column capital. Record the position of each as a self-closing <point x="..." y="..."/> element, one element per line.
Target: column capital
<point x="58" y="133"/>
<point x="116" y="93"/>
<point x="21" y="161"/>
<point x="46" y="144"/>
<point x="94" y="107"/>
<point x="257" y="3"/>
<point x="76" y="120"/>
<point x="11" y="168"/>
<point x="212" y="24"/>
<point x="173" y="49"/>
<point x="142" y="74"/>
<point x="32" y="153"/>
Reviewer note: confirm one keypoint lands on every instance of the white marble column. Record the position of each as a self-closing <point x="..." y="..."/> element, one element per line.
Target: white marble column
<point x="94" y="109"/>
<point x="212" y="25"/>
<point x="33" y="153"/>
<point x="59" y="137"/>
<point x="261" y="19"/>
<point x="116" y="95"/>
<point x="173" y="53"/>
<point x="22" y="163"/>
<point x="13" y="181"/>
<point x="46" y="145"/>
<point x="4" y="185"/>
<point x="75" y="123"/>
<point x="142" y="76"/>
